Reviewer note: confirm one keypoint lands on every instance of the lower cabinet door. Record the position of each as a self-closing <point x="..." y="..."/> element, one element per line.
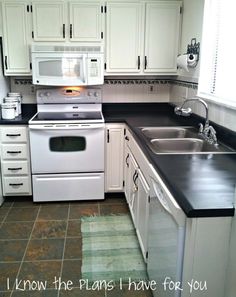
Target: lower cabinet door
<point x="132" y="188"/>
<point x="66" y="187"/>
<point x="142" y="212"/>
<point x="16" y="186"/>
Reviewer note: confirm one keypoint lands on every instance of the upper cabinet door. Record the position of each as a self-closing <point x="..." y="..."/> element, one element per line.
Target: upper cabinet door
<point x="85" y="21"/>
<point x="49" y="21"/>
<point x="162" y="31"/>
<point x="123" y="31"/>
<point x="16" y="38"/>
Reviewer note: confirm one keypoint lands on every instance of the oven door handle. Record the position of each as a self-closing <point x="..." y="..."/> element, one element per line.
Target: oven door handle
<point x="67" y="127"/>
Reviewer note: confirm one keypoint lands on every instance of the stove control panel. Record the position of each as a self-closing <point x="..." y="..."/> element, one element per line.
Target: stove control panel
<point x="67" y="95"/>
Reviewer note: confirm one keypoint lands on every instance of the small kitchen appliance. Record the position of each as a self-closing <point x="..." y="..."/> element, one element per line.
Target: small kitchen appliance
<point x="55" y="65"/>
<point x="67" y="145"/>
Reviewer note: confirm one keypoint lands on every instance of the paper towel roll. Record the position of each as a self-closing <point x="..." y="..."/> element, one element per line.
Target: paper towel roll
<point x="182" y="62"/>
<point x="192" y="60"/>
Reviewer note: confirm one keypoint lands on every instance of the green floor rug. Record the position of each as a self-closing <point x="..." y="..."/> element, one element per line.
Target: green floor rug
<point x="110" y="249"/>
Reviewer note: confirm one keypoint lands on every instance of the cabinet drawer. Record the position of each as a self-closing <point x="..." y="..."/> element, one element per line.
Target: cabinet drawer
<point x="16" y="185"/>
<point x="15" y="167"/>
<point x="14" y="151"/>
<point x="12" y="134"/>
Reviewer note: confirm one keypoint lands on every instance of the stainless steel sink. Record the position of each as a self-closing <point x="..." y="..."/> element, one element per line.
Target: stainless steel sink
<point x="164" y="132"/>
<point x="169" y="132"/>
<point x="179" y="140"/>
<point x="177" y="145"/>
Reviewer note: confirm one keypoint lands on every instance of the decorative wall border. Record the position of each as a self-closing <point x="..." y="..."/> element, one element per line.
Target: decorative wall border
<point x="23" y="81"/>
<point x="136" y="81"/>
<point x="186" y="84"/>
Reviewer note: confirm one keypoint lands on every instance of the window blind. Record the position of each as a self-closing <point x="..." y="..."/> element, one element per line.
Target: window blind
<point x="218" y="53"/>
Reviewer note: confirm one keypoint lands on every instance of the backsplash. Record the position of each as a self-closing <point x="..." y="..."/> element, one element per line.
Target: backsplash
<point x="144" y="90"/>
<point x="135" y="90"/>
<point x="114" y="90"/>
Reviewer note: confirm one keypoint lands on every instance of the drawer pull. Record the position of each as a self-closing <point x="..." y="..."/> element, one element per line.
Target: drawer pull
<point x="13" y="152"/>
<point x="127" y="138"/>
<point x="19" y="184"/>
<point x="19" y="168"/>
<point x="13" y="135"/>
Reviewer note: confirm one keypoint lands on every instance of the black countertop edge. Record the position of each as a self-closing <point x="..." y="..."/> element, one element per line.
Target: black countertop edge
<point x="28" y="110"/>
<point x="207" y="213"/>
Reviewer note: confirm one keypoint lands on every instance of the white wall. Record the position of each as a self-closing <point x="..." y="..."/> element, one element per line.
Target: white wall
<point x="191" y="28"/>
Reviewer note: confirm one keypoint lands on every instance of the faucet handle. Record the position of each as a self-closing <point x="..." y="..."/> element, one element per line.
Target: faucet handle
<point x="212" y="130"/>
<point x="201" y="128"/>
<point x="212" y="136"/>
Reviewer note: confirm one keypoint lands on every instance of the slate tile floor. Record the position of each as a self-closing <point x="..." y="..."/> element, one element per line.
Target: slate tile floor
<point x="43" y="241"/>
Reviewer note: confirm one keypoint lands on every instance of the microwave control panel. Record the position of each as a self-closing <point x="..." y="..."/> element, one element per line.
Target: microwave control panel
<point x="95" y="69"/>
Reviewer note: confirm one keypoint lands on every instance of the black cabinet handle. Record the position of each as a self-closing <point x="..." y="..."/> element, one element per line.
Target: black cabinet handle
<point x="13" y="135"/>
<point x="145" y="62"/>
<point x="135" y="176"/>
<point x="138" y="62"/>
<point x="108" y="136"/>
<point x="19" y="184"/>
<point x="70" y="30"/>
<point x="13" y="152"/>
<point x="126" y="160"/>
<point x="12" y="169"/>
<point x="64" y="30"/>
<point x="127" y="138"/>
<point x="6" y="66"/>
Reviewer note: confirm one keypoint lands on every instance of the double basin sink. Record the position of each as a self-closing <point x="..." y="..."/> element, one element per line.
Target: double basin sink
<point x="179" y="140"/>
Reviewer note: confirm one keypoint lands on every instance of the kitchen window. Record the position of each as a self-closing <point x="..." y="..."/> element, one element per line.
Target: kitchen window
<point x="218" y="57"/>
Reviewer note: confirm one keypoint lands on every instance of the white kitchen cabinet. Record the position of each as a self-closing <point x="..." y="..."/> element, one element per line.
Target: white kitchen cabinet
<point x="16" y="37"/>
<point x="114" y="157"/>
<point x="86" y="21"/>
<point x="136" y="191"/>
<point x="123" y="37"/>
<point x="162" y="29"/>
<point x="153" y="24"/>
<point x="67" y="21"/>
<point x="49" y="20"/>
<point x="15" y="161"/>
<point x="132" y="188"/>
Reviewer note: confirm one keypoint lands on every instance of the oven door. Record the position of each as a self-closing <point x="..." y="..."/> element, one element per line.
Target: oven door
<point x="56" y="69"/>
<point x="67" y="149"/>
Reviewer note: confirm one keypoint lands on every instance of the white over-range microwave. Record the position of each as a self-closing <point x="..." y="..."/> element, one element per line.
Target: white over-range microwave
<point x="67" y="65"/>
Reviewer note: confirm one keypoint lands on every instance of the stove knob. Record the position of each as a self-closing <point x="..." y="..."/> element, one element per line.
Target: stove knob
<point x="40" y="94"/>
<point x="96" y="94"/>
<point x="90" y="94"/>
<point x="47" y="94"/>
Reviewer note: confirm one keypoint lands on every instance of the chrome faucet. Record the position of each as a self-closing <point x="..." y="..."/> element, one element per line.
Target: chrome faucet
<point x="206" y="131"/>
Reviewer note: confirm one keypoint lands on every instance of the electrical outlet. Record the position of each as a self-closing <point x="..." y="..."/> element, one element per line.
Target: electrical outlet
<point x="151" y="89"/>
<point x="32" y="89"/>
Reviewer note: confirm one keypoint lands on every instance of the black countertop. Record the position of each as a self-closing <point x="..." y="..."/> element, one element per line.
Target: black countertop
<point x="203" y="185"/>
<point x="28" y="110"/>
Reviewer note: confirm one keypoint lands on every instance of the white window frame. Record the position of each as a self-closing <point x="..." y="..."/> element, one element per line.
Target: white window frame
<point x="213" y="58"/>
